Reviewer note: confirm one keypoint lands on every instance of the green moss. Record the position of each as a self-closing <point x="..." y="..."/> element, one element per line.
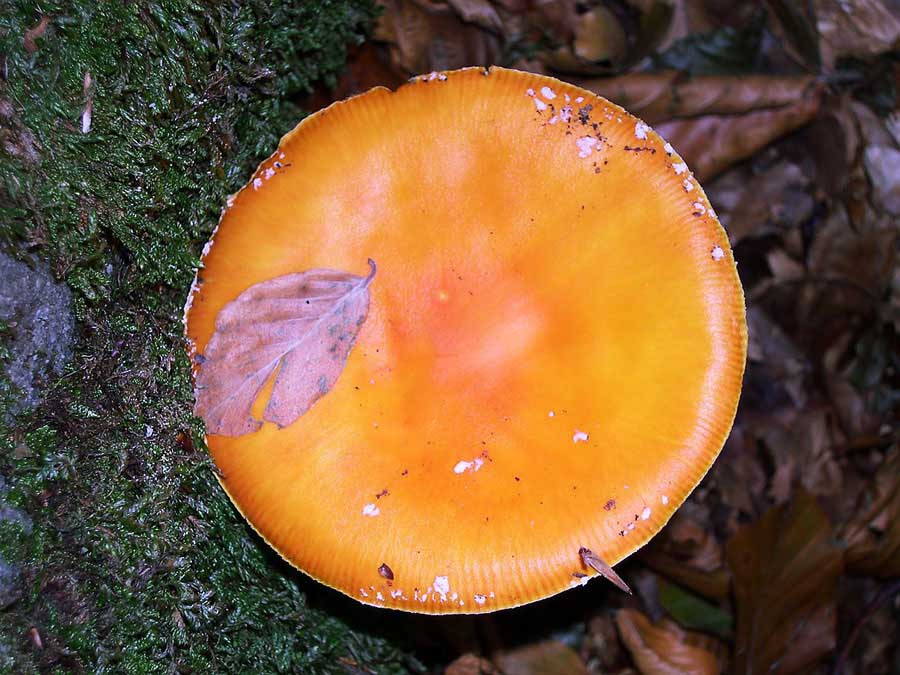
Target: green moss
<point x="137" y="562"/>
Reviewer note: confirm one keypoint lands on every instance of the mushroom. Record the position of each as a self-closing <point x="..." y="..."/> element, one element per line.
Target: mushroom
<point x="547" y="362"/>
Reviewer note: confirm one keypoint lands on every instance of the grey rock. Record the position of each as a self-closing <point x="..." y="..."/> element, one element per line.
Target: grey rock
<point x="40" y="328"/>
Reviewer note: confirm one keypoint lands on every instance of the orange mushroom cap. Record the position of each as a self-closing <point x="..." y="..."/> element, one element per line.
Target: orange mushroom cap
<point x="552" y="356"/>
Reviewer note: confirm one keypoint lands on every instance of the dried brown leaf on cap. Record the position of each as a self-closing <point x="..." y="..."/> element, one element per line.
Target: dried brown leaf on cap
<point x="295" y="331"/>
<point x="665" y="648"/>
<point x="786" y="568"/>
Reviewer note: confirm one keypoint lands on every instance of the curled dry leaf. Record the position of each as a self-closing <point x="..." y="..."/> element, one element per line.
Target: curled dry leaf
<point x="660" y="96"/>
<point x="712" y="143"/>
<point x="665" y="649"/>
<point x="786" y="568"/>
<point x="299" y="328"/>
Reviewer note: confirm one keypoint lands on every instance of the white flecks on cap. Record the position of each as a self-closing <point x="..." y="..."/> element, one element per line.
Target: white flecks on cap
<point x="664" y="499"/>
<point x="645" y="514"/>
<point x="551" y="414"/>
<point x="630" y="527"/>
<point x="442" y="586"/>
<point x="580" y="436"/>
<point x="640" y="130"/>
<point x="229" y="201"/>
<point x="680" y="168"/>
<point x="585" y="145"/>
<point x="688" y="185"/>
<point x="579" y="99"/>
<point x="717" y="253"/>
<point x="462" y="466"/>
<point x="548" y="93"/>
<point x="529" y="92"/>
<point x="379" y="596"/>
<point x="566" y="96"/>
<point x="566" y="113"/>
<point x="269" y="173"/>
<point x="257" y="183"/>
<point x="396" y="593"/>
<point x="669" y="150"/>
<point x="362" y="592"/>
<point x="480" y="599"/>
<point x="540" y="105"/>
<point x="371" y="510"/>
<point x="553" y="120"/>
<point x="699" y="208"/>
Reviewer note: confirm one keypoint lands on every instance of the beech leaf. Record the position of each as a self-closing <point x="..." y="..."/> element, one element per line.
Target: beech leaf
<point x="301" y="325"/>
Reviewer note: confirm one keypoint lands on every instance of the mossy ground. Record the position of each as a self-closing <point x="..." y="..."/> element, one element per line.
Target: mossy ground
<point x="137" y="562"/>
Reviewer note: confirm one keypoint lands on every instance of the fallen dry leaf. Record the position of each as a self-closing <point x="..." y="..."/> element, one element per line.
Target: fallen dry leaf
<point x="786" y="567"/>
<point x="470" y="664"/>
<point x="543" y="658"/>
<point x="770" y="346"/>
<point x="301" y="325"/>
<point x="480" y="12"/>
<point x="861" y="28"/>
<point x="599" y="37"/>
<point x="755" y="202"/>
<point x="873" y="536"/>
<point x="660" y="96"/>
<point x="665" y="648"/>
<point x="427" y="36"/>
<point x="712" y="143"/>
